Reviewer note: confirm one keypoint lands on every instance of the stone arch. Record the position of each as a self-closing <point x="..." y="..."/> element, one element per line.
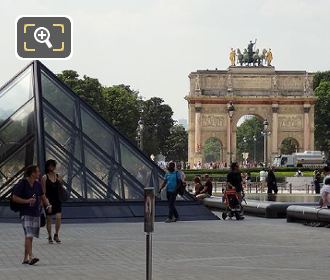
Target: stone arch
<point x="213" y="150"/>
<point x="289" y="145"/>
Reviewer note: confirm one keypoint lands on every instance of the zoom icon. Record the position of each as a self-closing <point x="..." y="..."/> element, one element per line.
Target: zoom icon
<point x="44" y="37"/>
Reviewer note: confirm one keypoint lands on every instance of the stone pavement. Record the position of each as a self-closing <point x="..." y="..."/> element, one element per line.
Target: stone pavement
<point x="254" y="249"/>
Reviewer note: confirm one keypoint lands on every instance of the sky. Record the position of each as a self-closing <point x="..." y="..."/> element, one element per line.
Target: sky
<point x="153" y="45"/>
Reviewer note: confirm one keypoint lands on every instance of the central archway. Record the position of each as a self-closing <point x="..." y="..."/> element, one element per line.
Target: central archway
<point x="289" y="146"/>
<point x="249" y="140"/>
<point x="212" y="151"/>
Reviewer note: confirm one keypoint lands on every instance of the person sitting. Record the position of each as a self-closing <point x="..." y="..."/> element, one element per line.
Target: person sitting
<point x="325" y="194"/>
<point x="198" y="185"/>
<point x="207" y="190"/>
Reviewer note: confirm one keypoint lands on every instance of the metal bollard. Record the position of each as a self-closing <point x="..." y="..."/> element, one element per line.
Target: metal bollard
<point x="290" y="188"/>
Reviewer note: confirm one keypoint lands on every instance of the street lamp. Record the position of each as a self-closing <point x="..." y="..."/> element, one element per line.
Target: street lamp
<point x="230" y="109"/>
<point x="255" y="148"/>
<point x="139" y="133"/>
<point x="265" y="133"/>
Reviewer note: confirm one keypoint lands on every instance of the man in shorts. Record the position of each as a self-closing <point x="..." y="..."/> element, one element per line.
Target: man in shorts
<point x="29" y="195"/>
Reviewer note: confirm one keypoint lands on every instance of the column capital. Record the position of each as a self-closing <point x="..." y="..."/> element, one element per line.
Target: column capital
<point x="275" y="108"/>
<point x="198" y="108"/>
<point x="307" y="107"/>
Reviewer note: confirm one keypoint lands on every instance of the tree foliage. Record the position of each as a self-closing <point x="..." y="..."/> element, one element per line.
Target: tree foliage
<point x="176" y="145"/>
<point x="319" y="77"/>
<point x="122" y="107"/>
<point x="247" y="130"/>
<point x="322" y="116"/>
<point x="212" y="150"/>
<point x="289" y="146"/>
<point x="158" y="121"/>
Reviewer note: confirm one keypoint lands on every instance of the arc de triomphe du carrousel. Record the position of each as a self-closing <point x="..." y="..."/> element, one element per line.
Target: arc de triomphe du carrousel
<point x="250" y="86"/>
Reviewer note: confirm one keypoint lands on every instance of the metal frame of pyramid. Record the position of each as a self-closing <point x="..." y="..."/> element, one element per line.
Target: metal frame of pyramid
<point x="51" y="121"/>
<point x="105" y="174"/>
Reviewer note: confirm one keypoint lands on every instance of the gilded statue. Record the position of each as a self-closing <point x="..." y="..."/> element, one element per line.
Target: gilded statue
<point x="269" y="57"/>
<point x="232" y="57"/>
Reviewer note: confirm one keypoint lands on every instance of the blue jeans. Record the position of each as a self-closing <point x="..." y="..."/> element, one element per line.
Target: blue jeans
<point x="172" y="212"/>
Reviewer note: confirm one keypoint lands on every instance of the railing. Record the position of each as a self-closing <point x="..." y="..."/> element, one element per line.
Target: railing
<point x="257" y="187"/>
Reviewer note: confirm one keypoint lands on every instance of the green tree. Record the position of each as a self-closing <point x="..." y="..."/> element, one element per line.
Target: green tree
<point x="319" y="77"/>
<point x="212" y="150"/>
<point x="249" y="129"/>
<point x="158" y="121"/>
<point x="322" y="116"/>
<point x="122" y="107"/>
<point x="289" y="146"/>
<point x="89" y="89"/>
<point x="176" y="144"/>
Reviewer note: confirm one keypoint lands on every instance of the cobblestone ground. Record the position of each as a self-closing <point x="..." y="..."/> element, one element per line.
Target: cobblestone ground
<point x="251" y="249"/>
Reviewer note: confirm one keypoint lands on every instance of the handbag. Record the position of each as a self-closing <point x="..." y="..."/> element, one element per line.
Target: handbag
<point x="63" y="194"/>
<point x="180" y="186"/>
<point x="42" y="219"/>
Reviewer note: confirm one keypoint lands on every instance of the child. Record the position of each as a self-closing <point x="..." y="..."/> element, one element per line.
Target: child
<point x="325" y="194"/>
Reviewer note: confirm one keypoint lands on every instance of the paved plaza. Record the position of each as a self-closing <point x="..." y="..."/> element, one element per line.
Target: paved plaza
<point x="255" y="249"/>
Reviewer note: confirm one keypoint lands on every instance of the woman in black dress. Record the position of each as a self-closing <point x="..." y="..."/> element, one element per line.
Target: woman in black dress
<point x="52" y="184"/>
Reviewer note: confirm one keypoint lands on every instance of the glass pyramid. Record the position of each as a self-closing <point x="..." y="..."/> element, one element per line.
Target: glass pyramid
<point x="41" y="118"/>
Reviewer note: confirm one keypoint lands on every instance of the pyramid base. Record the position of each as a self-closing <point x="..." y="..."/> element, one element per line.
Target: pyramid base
<point x="100" y="212"/>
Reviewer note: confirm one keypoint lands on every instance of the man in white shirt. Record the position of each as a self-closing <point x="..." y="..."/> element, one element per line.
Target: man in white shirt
<point x="263" y="176"/>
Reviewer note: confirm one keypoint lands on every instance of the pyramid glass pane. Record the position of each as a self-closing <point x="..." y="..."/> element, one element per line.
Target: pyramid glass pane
<point x="15" y="94"/>
<point x="17" y="130"/>
<point x="56" y="96"/>
<point x="97" y="131"/>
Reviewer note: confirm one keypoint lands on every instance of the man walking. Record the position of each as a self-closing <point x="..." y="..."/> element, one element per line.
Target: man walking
<point x="29" y="195"/>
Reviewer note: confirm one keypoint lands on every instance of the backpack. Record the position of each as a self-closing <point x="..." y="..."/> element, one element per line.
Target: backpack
<point x="16" y="207"/>
<point x="180" y="186"/>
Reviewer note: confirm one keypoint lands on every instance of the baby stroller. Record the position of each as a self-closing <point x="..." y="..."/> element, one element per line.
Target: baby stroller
<point x="233" y="204"/>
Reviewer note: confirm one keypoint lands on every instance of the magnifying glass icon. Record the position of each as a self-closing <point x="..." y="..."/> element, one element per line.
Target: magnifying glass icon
<point x="41" y="35"/>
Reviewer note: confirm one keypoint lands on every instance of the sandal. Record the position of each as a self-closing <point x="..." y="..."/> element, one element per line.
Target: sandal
<point x="50" y="240"/>
<point x="33" y="261"/>
<point x="57" y="240"/>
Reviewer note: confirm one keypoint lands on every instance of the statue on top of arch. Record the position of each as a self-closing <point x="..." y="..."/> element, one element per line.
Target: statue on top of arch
<point x="251" y="56"/>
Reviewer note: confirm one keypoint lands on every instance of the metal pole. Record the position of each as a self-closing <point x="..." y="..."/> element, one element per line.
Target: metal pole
<point x="266" y="155"/>
<point x="254" y="151"/>
<point x="230" y="142"/>
<point x="265" y="148"/>
<point x="149" y="256"/>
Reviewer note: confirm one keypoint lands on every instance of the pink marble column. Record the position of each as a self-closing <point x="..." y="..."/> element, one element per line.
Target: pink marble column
<point x="274" y="135"/>
<point x="229" y="141"/>
<point x="198" y="129"/>
<point x="307" y="127"/>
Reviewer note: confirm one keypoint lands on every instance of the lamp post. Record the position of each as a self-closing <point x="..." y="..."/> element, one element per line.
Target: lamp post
<point x="265" y="133"/>
<point x="254" y="148"/>
<point x="230" y="109"/>
<point x="139" y="133"/>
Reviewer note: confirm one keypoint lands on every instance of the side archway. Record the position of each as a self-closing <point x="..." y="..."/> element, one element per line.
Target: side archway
<point x="212" y="150"/>
<point x="289" y="146"/>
